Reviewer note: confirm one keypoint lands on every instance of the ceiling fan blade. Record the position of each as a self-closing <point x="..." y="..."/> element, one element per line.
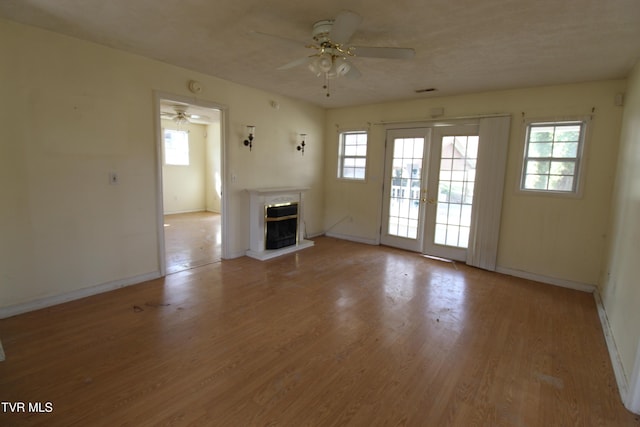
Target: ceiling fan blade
<point x="283" y="41"/>
<point x="353" y="72"/>
<point x="198" y="117"/>
<point x="344" y="26"/>
<point x="295" y="63"/>
<point x="383" y="52"/>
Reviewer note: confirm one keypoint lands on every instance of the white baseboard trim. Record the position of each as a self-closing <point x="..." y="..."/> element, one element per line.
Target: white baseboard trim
<point x="184" y="212"/>
<point x="616" y="363"/>
<point x="353" y="238"/>
<point x="14" y="310"/>
<point x="563" y="283"/>
<point x="632" y="401"/>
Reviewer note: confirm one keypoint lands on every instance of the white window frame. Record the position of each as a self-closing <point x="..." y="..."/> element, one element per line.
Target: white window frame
<point x="342" y="156"/>
<point x="167" y="160"/>
<point x="579" y="159"/>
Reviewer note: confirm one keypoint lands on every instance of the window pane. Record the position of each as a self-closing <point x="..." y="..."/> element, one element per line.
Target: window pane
<point x="536" y="182"/>
<point x="350" y="150"/>
<point x="465" y="215"/>
<point x="568" y="133"/>
<point x="360" y="163"/>
<point x="540" y="150"/>
<point x="398" y="148"/>
<point x="452" y="235"/>
<point x="541" y="134"/>
<point x="561" y="183"/>
<point x="463" y="239"/>
<point x="447" y="147"/>
<point x="454" y="214"/>
<point x="442" y="213"/>
<point x="538" y="167"/>
<point x="565" y="149"/>
<point x="441" y="234"/>
<point x="563" y="168"/>
<point x="446" y="164"/>
<point x="472" y="147"/>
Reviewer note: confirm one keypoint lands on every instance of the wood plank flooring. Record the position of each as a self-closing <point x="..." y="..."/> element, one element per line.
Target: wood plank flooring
<point x="191" y="240"/>
<point x="339" y="334"/>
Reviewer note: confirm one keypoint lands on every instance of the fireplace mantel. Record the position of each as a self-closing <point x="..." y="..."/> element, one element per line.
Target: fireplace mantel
<point x="259" y="199"/>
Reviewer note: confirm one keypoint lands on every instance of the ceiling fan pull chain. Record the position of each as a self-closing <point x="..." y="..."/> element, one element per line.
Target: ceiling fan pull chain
<point x="326" y="83"/>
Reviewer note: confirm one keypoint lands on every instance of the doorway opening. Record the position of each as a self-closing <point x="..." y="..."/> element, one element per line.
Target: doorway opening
<point x="190" y="148"/>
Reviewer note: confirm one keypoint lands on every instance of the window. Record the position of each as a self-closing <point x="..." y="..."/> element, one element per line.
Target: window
<point x="352" y="161"/>
<point x="552" y="155"/>
<point x="176" y="147"/>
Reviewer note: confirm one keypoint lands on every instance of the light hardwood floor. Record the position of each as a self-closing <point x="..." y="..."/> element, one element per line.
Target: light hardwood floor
<point x="338" y="334"/>
<point x="191" y="240"/>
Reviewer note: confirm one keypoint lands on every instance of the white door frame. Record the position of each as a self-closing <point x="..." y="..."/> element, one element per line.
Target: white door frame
<point x="158" y="97"/>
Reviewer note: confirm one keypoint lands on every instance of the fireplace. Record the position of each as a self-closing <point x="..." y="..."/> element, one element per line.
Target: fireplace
<point x="276" y="223"/>
<point x="281" y="225"/>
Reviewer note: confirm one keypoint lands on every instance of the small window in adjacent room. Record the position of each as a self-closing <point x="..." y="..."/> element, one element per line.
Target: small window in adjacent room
<point x="352" y="160"/>
<point x="176" y="147"/>
<point x="552" y="156"/>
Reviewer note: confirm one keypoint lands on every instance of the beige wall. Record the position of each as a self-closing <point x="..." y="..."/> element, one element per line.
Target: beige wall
<point x="71" y="113"/>
<point x="184" y="186"/>
<point x="621" y="279"/>
<point x="559" y="238"/>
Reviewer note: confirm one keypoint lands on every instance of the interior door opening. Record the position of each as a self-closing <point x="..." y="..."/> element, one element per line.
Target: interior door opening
<point x="190" y="181"/>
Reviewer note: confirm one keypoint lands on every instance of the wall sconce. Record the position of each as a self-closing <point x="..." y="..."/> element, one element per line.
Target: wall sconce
<point x="249" y="141"/>
<point x="300" y="147"/>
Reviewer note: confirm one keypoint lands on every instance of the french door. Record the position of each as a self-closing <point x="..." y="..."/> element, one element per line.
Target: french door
<point x="428" y="189"/>
<point x="403" y="209"/>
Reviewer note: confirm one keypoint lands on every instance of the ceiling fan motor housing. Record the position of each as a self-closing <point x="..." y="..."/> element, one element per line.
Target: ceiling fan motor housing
<point x="321" y="30"/>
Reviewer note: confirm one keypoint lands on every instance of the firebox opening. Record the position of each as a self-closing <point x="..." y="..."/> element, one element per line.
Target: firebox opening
<point x="281" y="225"/>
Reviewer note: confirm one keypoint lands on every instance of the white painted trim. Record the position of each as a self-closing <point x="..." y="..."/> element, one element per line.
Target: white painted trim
<point x="563" y="283"/>
<point x="616" y="363"/>
<point x="224" y="125"/>
<point x="14" y="310"/>
<point x="356" y="239"/>
<point x="632" y="402"/>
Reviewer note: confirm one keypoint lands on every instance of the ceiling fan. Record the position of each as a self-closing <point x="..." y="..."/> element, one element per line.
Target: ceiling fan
<point x="331" y="58"/>
<point x="181" y="116"/>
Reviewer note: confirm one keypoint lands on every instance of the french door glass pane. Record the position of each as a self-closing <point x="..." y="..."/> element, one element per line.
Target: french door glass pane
<point x="406" y="186"/>
<point x="455" y="190"/>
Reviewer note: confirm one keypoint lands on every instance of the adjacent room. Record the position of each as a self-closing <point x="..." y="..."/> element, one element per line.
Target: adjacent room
<point x="191" y="184"/>
<point x="343" y="213"/>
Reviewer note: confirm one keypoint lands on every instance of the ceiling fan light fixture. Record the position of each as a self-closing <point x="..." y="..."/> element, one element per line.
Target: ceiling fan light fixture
<point x="341" y="66"/>
<point x="325" y="62"/>
<point x="180" y="119"/>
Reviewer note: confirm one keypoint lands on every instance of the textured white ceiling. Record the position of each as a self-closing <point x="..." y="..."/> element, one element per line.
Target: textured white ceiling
<point x="461" y="45"/>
